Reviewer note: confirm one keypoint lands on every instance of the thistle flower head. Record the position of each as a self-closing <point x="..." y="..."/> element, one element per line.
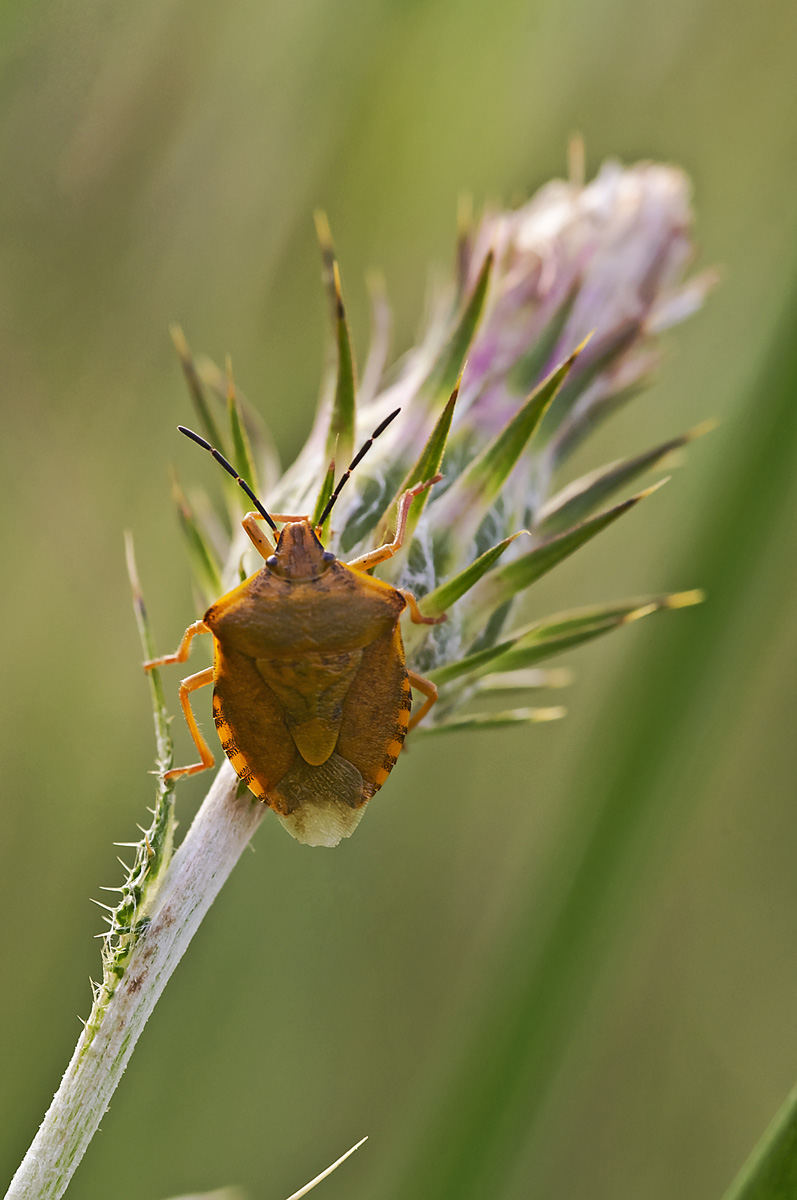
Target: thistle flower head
<point x="551" y="323"/>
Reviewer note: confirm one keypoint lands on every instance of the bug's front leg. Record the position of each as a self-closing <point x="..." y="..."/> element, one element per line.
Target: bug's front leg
<point x="181" y="653"/>
<point x="429" y="690"/>
<point x="256" y="535"/>
<point x="374" y="557"/>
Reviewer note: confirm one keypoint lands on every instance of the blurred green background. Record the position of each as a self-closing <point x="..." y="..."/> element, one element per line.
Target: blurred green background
<point x="161" y="162"/>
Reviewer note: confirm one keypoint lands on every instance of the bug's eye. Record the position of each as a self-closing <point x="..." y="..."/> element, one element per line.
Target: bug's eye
<point x="271" y="561"/>
<point x="328" y="556"/>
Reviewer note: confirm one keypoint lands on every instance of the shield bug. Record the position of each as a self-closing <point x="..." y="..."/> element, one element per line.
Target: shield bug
<point x="312" y="695"/>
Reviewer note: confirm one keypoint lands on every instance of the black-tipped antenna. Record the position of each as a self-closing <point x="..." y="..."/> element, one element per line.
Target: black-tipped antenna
<point x="359" y="456"/>
<point x="230" y="469"/>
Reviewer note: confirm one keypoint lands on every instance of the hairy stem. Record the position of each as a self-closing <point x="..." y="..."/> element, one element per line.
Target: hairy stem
<point x="214" y="843"/>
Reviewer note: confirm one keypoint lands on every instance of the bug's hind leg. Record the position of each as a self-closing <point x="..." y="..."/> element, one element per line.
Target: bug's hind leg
<point x="181" y="653"/>
<point x="186" y="687"/>
<point x="429" y="690"/>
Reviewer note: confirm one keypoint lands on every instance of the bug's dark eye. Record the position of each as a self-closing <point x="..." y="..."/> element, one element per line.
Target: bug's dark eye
<point x="328" y="556"/>
<point x="271" y="561"/>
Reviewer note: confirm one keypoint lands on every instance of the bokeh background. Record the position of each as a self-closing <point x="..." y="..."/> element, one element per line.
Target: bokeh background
<point x="627" y="875"/>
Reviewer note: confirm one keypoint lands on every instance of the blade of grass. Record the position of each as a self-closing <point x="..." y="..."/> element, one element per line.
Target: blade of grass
<point x="770" y="1172"/>
<point x="497" y="1093"/>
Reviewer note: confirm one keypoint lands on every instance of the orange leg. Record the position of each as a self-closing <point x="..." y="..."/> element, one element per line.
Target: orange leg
<point x="374" y="557"/>
<point x="256" y="535"/>
<point x="186" y="687"/>
<point x="416" y="616"/>
<point x="429" y="690"/>
<point x="181" y="653"/>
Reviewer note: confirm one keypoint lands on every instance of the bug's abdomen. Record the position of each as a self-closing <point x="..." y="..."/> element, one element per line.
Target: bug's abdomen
<point x="376" y="712"/>
<point x="311" y="690"/>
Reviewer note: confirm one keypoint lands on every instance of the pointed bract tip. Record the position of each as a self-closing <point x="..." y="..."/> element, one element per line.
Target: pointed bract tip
<point x="686" y="599"/>
<point x="654" y="487"/>
<point x="308" y="1187"/>
<point x="555" y="713"/>
<point x="132" y="571"/>
<point x="637" y="614"/>
<point x="179" y="342"/>
<point x="702" y="429"/>
<point x="574" y="355"/>
<point x="338" y="291"/>
<point x="322" y="229"/>
<point x="458" y="384"/>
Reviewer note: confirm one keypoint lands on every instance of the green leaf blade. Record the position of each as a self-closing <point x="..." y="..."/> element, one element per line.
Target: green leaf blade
<point x="343" y="417"/>
<point x="324" y="494"/>
<point x="503" y="584"/>
<point x="435" y="603"/>
<point x="579" y="499"/>
<point x="533" y="644"/>
<point x="242" y="458"/>
<point x="196" y="391"/>
<point x="474" y="491"/>
<point x="477" y="721"/>
<point x="204" y="564"/>
<point x="450" y="362"/>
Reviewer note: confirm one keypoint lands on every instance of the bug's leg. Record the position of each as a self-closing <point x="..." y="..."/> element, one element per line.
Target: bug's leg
<point x="289" y="517"/>
<point x="416" y="616"/>
<point x="374" y="557"/>
<point x="256" y="535"/>
<point x="429" y="690"/>
<point x="186" y="687"/>
<point x="181" y="653"/>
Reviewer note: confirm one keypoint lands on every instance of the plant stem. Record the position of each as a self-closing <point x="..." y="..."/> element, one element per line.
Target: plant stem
<point x="214" y="843"/>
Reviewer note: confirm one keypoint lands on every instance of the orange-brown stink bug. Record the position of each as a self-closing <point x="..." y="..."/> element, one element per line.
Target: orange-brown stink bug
<point x="312" y="695"/>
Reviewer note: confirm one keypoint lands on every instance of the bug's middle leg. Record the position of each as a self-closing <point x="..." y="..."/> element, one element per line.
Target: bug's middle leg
<point x="186" y="687"/>
<point x="374" y="557"/>
<point x="416" y="616"/>
<point x="429" y="690"/>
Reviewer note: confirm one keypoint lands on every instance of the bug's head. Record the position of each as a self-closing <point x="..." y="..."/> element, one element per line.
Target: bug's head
<point x="300" y="556"/>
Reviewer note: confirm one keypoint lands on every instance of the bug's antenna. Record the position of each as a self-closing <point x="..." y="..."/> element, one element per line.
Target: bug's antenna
<point x="230" y="469"/>
<point x="359" y="456"/>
